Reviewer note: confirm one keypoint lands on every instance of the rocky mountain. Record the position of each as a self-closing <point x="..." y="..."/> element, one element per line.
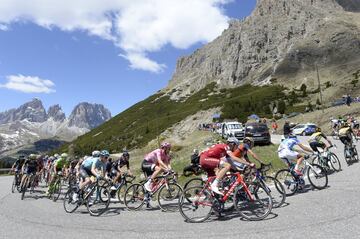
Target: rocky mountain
<point x="89" y="116"/>
<point x="281" y="41"/>
<point x="30" y="122"/>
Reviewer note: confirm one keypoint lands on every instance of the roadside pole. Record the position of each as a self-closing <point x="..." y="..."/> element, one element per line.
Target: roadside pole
<point x="321" y="99"/>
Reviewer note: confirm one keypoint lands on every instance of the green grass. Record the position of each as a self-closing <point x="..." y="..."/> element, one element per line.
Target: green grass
<point x="144" y="121"/>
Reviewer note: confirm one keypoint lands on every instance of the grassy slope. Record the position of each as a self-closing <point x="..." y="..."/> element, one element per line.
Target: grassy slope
<point x="144" y="121"/>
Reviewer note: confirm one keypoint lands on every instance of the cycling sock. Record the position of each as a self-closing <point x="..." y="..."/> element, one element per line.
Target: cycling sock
<point x="216" y="182"/>
<point x="296" y="167"/>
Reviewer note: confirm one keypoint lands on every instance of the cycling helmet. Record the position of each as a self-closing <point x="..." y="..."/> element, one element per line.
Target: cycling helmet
<point x="104" y="153"/>
<point x="292" y="136"/>
<point x="96" y="153"/>
<point x="21" y="156"/>
<point x="56" y="155"/>
<point x="318" y="129"/>
<point x="233" y="140"/>
<point x="51" y="158"/>
<point x="64" y="155"/>
<point x="32" y="156"/>
<point x="249" y="141"/>
<point x="165" y="145"/>
<point x="126" y="154"/>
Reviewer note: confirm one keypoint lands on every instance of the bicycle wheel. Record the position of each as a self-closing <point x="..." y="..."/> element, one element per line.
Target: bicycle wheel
<point x="168" y="197"/>
<point x="134" y="196"/>
<point x="194" y="182"/>
<point x="288" y="181"/>
<point x="257" y="208"/>
<point x="56" y="190"/>
<point x="24" y="187"/>
<point x="13" y="185"/>
<point x="346" y="155"/>
<point x="121" y="193"/>
<point x="355" y="156"/>
<point x="69" y="204"/>
<point x="335" y="162"/>
<point x="98" y="201"/>
<point x="277" y="191"/>
<point x="195" y="204"/>
<point x="317" y="176"/>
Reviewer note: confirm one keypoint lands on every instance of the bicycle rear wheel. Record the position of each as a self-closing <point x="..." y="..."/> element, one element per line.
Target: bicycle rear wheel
<point x="277" y="191"/>
<point x="335" y="162"/>
<point x="256" y="209"/>
<point x="288" y="181"/>
<point x="195" y="204"/>
<point x="121" y="193"/>
<point x="168" y="197"/>
<point x="98" y="201"/>
<point x="317" y="176"/>
<point x="69" y="204"/>
<point x="194" y="182"/>
<point x="56" y="190"/>
<point x="135" y="196"/>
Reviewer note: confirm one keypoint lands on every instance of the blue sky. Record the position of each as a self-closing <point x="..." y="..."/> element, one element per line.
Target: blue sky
<point x="94" y="61"/>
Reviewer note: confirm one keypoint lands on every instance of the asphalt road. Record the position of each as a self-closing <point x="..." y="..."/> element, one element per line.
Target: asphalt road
<point x="330" y="213"/>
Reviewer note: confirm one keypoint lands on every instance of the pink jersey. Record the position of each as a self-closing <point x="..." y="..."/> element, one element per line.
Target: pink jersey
<point x="154" y="155"/>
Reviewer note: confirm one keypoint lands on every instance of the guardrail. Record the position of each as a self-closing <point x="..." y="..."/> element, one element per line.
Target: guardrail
<point x="5" y="170"/>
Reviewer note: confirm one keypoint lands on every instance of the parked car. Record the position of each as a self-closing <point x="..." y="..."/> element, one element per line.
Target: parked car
<point x="232" y="129"/>
<point x="259" y="132"/>
<point x="304" y="129"/>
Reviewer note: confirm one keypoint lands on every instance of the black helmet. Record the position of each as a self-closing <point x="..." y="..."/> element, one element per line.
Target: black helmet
<point x="125" y="154"/>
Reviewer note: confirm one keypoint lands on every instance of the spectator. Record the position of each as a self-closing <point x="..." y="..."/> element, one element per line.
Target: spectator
<point x="287" y="129"/>
<point x="274" y="126"/>
<point x="348" y="100"/>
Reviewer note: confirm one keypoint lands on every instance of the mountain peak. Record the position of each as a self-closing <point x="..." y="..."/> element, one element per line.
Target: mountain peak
<point x="56" y="113"/>
<point x="86" y="115"/>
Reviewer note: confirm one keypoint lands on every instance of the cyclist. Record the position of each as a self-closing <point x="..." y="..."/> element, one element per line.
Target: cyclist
<point x="16" y="167"/>
<point x="346" y="134"/>
<point x="29" y="167"/>
<point x="315" y="140"/>
<point x="59" y="165"/>
<point x="156" y="162"/>
<point x="118" y="164"/>
<point x="92" y="166"/>
<point x="286" y="152"/>
<point x="210" y="160"/>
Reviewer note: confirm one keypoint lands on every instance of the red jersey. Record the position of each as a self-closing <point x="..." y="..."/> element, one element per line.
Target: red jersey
<point x="216" y="151"/>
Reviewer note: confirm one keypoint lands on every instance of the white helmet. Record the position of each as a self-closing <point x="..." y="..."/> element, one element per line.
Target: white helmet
<point x="96" y="153"/>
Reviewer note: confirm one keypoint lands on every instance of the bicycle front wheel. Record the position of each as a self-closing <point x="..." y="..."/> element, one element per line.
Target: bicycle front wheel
<point x="56" y="190"/>
<point x="335" y="162"/>
<point x="256" y="208"/>
<point x="135" y="196"/>
<point x="168" y="197"/>
<point x="194" y="182"/>
<point x="121" y="193"/>
<point x="355" y="155"/>
<point x="24" y="186"/>
<point x="13" y="185"/>
<point x="317" y="176"/>
<point x="288" y="181"/>
<point x="98" y="201"/>
<point x="70" y="205"/>
<point x="277" y="191"/>
<point x="195" y="204"/>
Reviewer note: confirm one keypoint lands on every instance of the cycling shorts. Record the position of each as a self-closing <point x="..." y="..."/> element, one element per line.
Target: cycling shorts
<point x="234" y="164"/>
<point x="85" y="173"/>
<point x="209" y="165"/>
<point x="148" y="168"/>
<point x="287" y="154"/>
<point x="315" y="145"/>
<point x="30" y="170"/>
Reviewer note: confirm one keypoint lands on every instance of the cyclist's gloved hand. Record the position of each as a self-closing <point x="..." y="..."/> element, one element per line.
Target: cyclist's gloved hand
<point x="252" y="165"/>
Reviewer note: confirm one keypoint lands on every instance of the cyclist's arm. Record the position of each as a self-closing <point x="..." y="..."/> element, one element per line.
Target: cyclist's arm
<point x="162" y="164"/>
<point x="240" y="160"/>
<point x="255" y="156"/>
<point x="305" y="148"/>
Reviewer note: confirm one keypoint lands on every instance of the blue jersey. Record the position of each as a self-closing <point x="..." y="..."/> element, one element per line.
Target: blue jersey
<point x="88" y="163"/>
<point x="288" y="144"/>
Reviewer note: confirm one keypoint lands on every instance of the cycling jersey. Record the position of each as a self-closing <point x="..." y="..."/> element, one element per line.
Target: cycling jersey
<point x="316" y="137"/>
<point x="19" y="163"/>
<point x="89" y="162"/>
<point x="153" y="156"/>
<point x="288" y="144"/>
<point x="121" y="162"/>
<point x="344" y="131"/>
<point x="61" y="163"/>
<point x="31" y="166"/>
<point x="216" y="151"/>
<point x="241" y="151"/>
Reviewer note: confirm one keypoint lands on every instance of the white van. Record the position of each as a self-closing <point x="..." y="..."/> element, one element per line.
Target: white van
<point x="232" y="129"/>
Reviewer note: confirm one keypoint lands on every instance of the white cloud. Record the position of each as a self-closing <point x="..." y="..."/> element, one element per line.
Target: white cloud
<point x="4" y="27"/>
<point x="137" y="27"/>
<point x="28" y="84"/>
